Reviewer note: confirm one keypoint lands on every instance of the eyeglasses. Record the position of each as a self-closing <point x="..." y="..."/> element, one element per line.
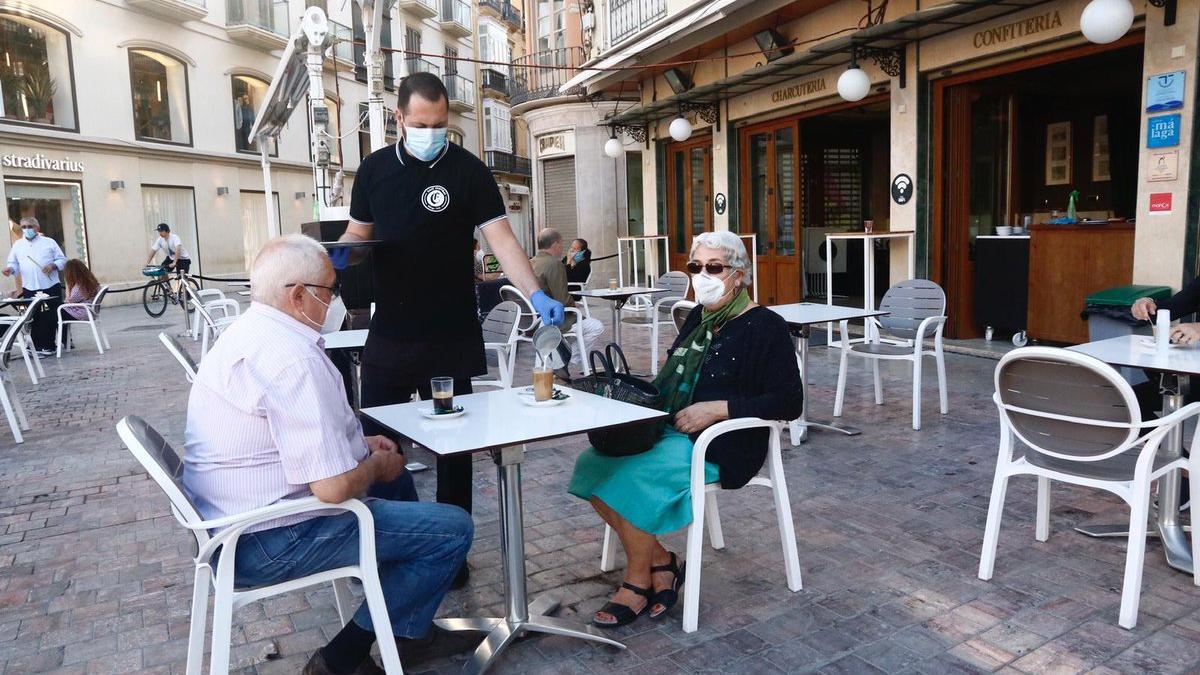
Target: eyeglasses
<point x="334" y="291"/>
<point x="694" y="267"/>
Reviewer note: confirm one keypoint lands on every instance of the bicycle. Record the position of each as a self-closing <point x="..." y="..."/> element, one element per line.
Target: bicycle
<point x="166" y="286"/>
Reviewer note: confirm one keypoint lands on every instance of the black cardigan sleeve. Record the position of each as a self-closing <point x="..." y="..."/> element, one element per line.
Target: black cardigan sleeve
<point x="1186" y="301"/>
<point x="772" y="390"/>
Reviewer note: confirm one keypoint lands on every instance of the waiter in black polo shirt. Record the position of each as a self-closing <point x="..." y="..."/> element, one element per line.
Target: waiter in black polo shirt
<point x="424" y="198"/>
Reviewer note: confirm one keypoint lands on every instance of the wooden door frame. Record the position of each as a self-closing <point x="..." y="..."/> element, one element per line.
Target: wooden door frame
<point x="705" y="140"/>
<point x="938" y="152"/>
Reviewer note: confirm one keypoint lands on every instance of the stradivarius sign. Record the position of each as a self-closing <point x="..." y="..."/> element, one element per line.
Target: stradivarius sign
<point x="42" y="162"/>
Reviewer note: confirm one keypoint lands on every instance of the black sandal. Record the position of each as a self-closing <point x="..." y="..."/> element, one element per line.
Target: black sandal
<point x="668" y="596"/>
<point x="624" y="614"/>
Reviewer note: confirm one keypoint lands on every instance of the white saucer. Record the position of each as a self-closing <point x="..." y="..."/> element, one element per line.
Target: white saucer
<point x="1149" y="342"/>
<point x="526" y="396"/>
<point x="428" y="413"/>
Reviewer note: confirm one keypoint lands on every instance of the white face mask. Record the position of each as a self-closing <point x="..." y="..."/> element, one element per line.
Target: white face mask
<point x="709" y="289"/>
<point x="335" y="313"/>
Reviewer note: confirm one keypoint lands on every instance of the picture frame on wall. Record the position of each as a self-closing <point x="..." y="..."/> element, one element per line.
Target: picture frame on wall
<point x="1101" y="170"/>
<point x="1058" y="153"/>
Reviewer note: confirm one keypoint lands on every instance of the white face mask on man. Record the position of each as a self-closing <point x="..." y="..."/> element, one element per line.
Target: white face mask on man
<point x="335" y="313"/>
<point x="709" y="289"/>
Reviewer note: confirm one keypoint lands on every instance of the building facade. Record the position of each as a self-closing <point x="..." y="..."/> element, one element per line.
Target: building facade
<point x="118" y="116"/>
<point x="975" y="116"/>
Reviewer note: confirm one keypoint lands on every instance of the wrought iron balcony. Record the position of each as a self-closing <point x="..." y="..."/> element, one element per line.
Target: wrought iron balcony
<point x="627" y="18"/>
<point x="184" y="10"/>
<point x="455" y="18"/>
<point x="512" y="17"/>
<point x="461" y="91"/>
<point x="262" y="24"/>
<point x="496" y="7"/>
<point x="494" y="81"/>
<point x="530" y="82"/>
<point x="506" y="162"/>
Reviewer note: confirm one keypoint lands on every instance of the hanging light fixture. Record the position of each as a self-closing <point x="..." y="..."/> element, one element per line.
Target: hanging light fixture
<point x="613" y="147"/>
<point x="680" y="128"/>
<point x="853" y="85"/>
<point x="1105" y="21"/>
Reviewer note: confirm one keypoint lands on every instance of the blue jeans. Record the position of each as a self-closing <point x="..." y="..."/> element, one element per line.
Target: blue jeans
<point x="419" y="547"/>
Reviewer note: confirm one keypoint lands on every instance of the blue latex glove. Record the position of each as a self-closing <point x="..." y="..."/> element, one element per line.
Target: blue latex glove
<point x="340" y="257"/>
<point x="548" y="308"/>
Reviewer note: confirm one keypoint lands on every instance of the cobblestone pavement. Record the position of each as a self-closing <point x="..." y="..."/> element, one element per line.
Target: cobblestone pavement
<point x="95" y="574"/>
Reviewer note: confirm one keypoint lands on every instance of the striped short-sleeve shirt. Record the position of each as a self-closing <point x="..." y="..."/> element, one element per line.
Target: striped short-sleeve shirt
<point x="267" y="416"/>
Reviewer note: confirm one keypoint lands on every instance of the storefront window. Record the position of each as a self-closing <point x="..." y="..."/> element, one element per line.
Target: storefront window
<point x="58" y="206"/>
<point x="35" y="73"/>
<point x="175" y="206"/>
<point x="248" y="96"/>
<point x="254" y="222"/>
<point x="160" y="97"/>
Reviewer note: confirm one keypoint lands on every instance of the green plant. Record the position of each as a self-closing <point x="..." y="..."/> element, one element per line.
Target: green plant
<point x="39" y="88"/>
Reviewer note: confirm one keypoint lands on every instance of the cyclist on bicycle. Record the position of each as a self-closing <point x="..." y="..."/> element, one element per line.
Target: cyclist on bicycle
<point x="170" y="244"/>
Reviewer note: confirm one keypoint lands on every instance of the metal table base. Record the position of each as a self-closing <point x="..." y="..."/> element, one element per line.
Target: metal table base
<point x="520" y="616"/>
<point x="1177" y="548"/>
<point x="798" y="428"/>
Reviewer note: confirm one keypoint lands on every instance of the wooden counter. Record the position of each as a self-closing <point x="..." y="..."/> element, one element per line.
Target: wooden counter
<point x="1067" y="263"/>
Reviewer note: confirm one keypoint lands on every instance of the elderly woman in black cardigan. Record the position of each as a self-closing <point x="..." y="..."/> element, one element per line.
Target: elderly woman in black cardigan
<point x="732" y="359"/>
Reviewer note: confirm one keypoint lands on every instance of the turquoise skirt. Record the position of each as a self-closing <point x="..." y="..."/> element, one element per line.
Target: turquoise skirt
<point x="651" y="490"/>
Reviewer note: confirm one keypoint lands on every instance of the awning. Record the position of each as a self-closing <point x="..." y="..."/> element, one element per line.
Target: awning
<point x="891" y="35"/>
<point x="702" y="17"/>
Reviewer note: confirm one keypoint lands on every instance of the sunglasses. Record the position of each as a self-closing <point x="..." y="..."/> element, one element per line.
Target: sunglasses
<point x="694" y="267"/>
<point x="334" y="291"/>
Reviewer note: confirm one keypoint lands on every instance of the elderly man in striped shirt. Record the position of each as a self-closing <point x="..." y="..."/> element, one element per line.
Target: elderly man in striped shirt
<point x="268" y="421"/>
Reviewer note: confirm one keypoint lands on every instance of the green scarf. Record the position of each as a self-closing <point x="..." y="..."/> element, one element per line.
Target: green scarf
<point x="678" y="377"/>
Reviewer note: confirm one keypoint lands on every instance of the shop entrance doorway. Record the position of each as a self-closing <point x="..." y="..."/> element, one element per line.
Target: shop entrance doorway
<point x="1012" y="142"/>
<point x="689" y="195"/>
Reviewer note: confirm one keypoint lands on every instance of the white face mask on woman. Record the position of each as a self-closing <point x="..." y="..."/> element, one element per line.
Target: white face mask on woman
<point x="709" y="289"/>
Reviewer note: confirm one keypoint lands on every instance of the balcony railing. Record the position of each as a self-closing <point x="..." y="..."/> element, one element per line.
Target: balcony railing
<point x="455" y="17"/>
<point x="342" y="38"/>
<point x="627" y="17"/>
<point x="261" y="22"/>
<point x="512" y="16"/>
<point x="413" y="64"/>
<point x="461" y="91"/>
<point x="506" y="162"/>
<point x="421" y="8"/>
<point x="530" y="82"/>
<point x="496" y="6"/>
<point x="495" y="80"/>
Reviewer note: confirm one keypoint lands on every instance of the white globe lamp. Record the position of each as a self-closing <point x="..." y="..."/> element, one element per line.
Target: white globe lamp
<point x="680" y="129"/>
<point x="614" y="148"/>
<point x="853" y="85"/>
<point x="1105" y="21"/>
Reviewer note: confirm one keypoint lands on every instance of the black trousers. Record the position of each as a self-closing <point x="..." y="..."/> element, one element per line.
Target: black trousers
<point x="384" y="387"/>
<point x="44" y="324"/>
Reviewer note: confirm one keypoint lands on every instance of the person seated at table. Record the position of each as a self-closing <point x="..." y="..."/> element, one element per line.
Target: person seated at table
<point x="552" y="277"/>
<point x="732" y="359"/>
<point x="267" y="421"/>
<point x="578" y="261"/>
<point x="82" y="288"/>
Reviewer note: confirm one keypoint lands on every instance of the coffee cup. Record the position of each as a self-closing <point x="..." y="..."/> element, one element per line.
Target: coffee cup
<point x="543" y="384"/>
<point x="442" y="389"/>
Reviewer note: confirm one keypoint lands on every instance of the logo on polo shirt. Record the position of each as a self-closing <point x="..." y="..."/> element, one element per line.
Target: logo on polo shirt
<point x="435" y="198"/>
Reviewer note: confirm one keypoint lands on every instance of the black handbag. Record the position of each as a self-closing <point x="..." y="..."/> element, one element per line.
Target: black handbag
<point x="615" y="382"/>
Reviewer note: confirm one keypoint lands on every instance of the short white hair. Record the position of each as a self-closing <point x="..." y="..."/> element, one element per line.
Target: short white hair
<point x="731" y="245"/>
<point x="290" y="259"/>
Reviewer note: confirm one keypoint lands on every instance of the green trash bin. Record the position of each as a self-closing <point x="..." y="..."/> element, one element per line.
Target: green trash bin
<point x="1108" y="316"/>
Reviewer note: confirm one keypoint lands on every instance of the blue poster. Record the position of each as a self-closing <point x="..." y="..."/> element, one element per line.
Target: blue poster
<point x="1162" y="131"/>
<point x="1164" y="92"/>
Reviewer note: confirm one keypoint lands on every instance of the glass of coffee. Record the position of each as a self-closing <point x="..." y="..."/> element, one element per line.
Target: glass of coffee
<point x="443" y="394"/>
<point x="543" y="384"/>
<point x="612" y="284"/>
<point x="868" y="226"/>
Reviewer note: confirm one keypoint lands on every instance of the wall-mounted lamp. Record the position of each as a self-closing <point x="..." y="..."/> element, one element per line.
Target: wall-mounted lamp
<point x="772" y="44"/>
<point x="117" y="185"/>
<point x="678" y="80"/>
<point x="222" y="191"/>
<point x="613" y="147"/>
<point x="301" y="195"/>
<point x="1105" y="21"/>
<point x="681" y="128"/>
<point x="853" y="85"/>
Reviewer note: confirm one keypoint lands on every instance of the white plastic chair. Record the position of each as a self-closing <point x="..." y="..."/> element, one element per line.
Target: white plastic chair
<point x="530" y="321"/>
<point x="1079" y="423"/>
<point x="704" y="510"/>
<point x="209" y="297"/>
<point x="581" y="286"/>
<point x="500" y="337"/>
<point x="92" y="311"/>
<point x="24" y="343"/>
<point x="915" y="307"/>
<point x="184" y="359"/>
<point x="164" y="466"/>
<point x="657" y="311"/>
<point x="211" y="328"/>
<point x="8" y="389"/>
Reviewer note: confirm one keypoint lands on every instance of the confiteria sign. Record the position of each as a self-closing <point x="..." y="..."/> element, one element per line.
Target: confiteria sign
<point x="40" y="161"/>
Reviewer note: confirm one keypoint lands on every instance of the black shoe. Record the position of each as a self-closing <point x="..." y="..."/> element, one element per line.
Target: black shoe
<point x="461" y="579"/>
<point x="437" y="643"/>
<point x="317" y="666"/>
